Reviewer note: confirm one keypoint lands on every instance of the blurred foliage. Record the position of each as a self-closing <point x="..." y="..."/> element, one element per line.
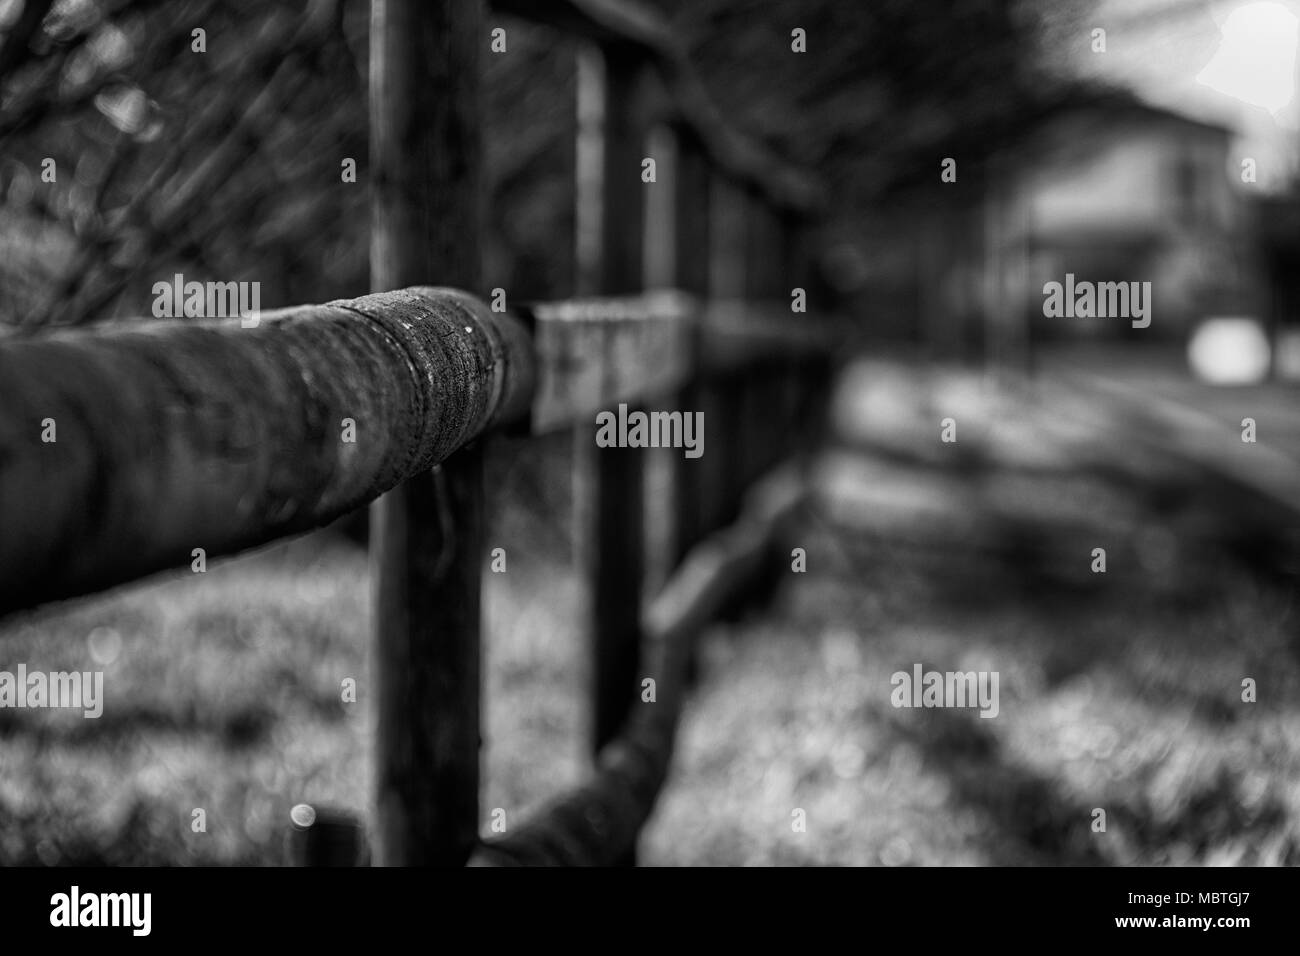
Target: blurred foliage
<point x="226" y="164"/>
<point x="887" y="88"/>
<point x="174" y="161"/>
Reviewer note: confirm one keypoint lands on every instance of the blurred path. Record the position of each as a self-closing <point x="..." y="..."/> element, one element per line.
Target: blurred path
<point x="1164" y="374"/>
<point x="1120" y="691"/>
<point x="1201" y="422"/>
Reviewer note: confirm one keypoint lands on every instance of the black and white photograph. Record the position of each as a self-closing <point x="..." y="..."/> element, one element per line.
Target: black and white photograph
<point x="672" y="434"/>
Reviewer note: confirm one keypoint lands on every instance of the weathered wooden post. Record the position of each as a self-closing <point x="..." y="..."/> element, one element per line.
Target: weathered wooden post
<point x="616" y="559"/>
<point x="690" y="263"/>
<point x="763" y="281"/>
<point x="609" y="523"/>
<point x="690" y="271"/>
<point x="426" y="548"/>
<point x="659" y="465"/>
<point x="804" y="376"/>
<point x="724" y="478"/>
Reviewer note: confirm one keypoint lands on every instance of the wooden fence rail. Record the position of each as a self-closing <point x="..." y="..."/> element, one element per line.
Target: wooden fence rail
<point x="125" y="446"/>
<point x="163" y="437"/>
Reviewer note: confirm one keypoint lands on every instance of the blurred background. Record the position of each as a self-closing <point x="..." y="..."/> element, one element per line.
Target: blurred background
<point x="1162" y="149"/>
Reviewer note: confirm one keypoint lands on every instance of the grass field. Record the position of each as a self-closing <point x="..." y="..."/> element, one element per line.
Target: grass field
<point x="1121" y="700"/>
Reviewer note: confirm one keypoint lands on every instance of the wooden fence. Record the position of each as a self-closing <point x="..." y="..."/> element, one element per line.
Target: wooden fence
<point x="178" y="434"/>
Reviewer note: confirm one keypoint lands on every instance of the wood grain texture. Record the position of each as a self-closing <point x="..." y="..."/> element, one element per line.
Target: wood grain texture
<point x="175" y="435"/>
<point x="594" y="353"/>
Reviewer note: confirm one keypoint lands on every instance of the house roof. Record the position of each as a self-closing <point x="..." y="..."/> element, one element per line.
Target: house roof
<point x="1075" y="133"/>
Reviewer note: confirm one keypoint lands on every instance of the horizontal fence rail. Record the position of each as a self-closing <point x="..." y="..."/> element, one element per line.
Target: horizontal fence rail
<point x="124" y="448"/>
<point x="594" y="353"/>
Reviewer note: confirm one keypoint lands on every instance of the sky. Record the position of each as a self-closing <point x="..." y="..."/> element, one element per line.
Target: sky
<point x="1229" y="61"/>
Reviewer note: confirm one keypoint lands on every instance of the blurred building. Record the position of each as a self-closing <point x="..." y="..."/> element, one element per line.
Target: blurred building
<point x="1128" y="193"/>
<point x="1114" y="191"/>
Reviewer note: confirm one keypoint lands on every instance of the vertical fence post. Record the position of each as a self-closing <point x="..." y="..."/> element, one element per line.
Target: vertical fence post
<point x="690" y="272"/>
<point x="610" y="523"/>
<point x="615" y="559"/>
<point x="722" y="479"/>
<point x="608" y="482"/>
<point x="763" y="280"/>
<point x="426" y="547"/>
<point x="659" y="468"/>
<point x="799" y="376"/>
<point x="690" y="266"/>
<point x="814" y="375"/>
